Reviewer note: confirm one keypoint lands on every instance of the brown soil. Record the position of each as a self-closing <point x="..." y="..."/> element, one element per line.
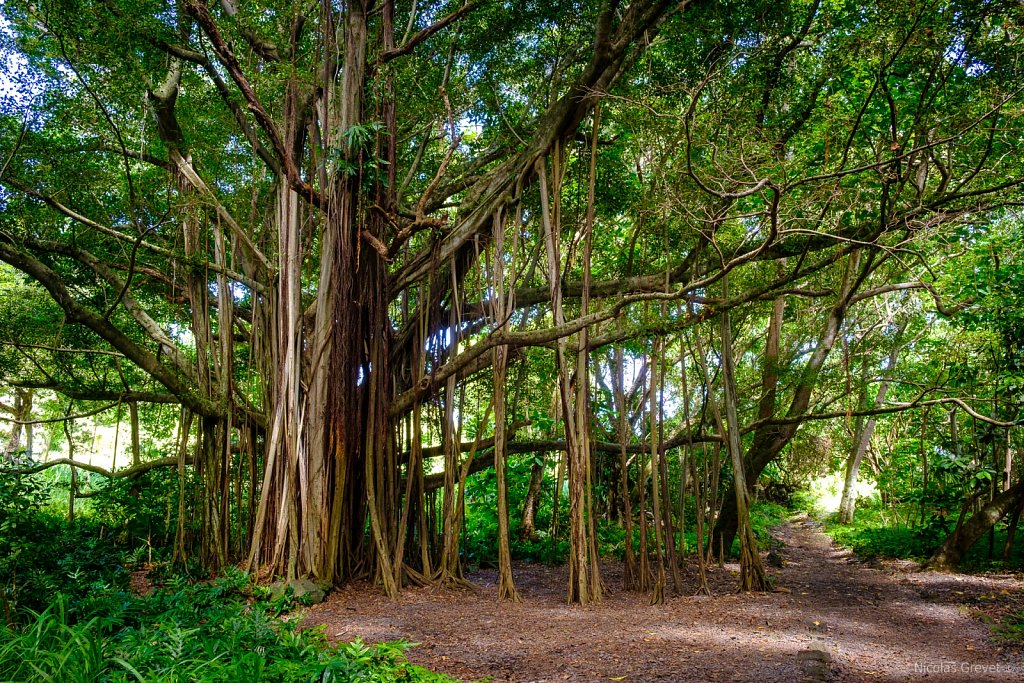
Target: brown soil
<point x="140" y="583"/>
<point x="834" y="617"/>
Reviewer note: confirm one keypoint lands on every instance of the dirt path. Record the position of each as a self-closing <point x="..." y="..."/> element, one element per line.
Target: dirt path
<point x="835" y="618"/>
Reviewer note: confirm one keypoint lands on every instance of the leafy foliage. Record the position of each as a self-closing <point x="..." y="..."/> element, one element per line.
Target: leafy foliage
<point x="41" y="555"/>
<point x="192" y="633"/>
<point x="1011" y="628"/>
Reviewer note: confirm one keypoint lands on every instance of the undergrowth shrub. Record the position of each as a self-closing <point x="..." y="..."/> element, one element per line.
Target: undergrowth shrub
<point x="41" y="554"/>
<point x="882" y="541"/>
<point x="205" y="633"/>
<point x="1011" y="628"/>
<point x="902" y="532"/>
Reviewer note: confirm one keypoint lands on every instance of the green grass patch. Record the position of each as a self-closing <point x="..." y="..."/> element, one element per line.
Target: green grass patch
<point x="896" y="532"/>
<point x="878" y="532"/>
<point x="892" y="542"/>
<point x="1011" y="628"/>
<point x="766" y="516"/>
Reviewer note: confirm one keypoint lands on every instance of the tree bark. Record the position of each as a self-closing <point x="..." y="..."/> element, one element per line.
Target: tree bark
<point x="658" y="593"/>
<point x="528" y="520"/>
<point x="771" y="439"/>
<point x="630" y="570"/>
<point x="584" y="585"/>
<point x="506" y="581"/>
<point x="951" y="553"/>
<point x="133" y="415"/>
<point x="20" y="412"/>
<point x="752" y="576"/>
<point x="862" y="438"/>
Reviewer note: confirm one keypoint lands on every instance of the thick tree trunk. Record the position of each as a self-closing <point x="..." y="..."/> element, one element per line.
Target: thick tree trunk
<point x="584" y="583"/>
<point x="770" y="439"/>
<point x="20" y="412"/>
<point x="330" y="464"/>
<point x="450" y="564"/>
<point x="341" y="418"/>
<point x="952" y="551"/>
<point x="671" y="555"/>
<point x="583" y="407"/>
<point x="281" y="318"/>
<point x="506" y="582"/>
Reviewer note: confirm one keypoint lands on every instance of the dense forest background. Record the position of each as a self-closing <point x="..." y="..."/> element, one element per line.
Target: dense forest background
<point x="386" y="290"/>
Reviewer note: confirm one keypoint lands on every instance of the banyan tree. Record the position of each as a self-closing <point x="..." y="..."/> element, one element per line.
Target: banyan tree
<point x="334" y="233"/>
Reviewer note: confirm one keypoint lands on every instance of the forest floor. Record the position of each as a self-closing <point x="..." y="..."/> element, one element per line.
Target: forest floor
<point x="833" y="617"/>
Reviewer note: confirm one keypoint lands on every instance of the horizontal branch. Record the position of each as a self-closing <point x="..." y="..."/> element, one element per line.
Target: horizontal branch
<point x="119" y="235"/>
<point x="127" y="473"/>
<point x="66" y="418"/>
<point x="427" y="32"/>
<point x="62" y="349"/>
<point x="85" y="394"/>
<point x="75" y="312"/>
<point x="893" y="408"/>
<point x="485" y="451"/>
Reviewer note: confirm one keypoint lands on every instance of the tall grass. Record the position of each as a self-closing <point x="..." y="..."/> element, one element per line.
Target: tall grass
<point x="50" y="649"/>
